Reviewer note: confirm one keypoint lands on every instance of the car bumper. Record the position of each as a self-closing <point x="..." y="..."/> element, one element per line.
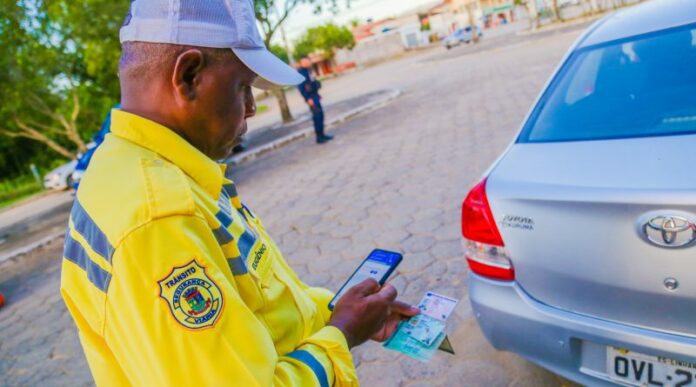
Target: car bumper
<point x="566" y="343"/>
<point x="54" y="185"/>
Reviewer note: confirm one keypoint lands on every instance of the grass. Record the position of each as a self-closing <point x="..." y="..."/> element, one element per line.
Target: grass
<point x="17" y="189"/>
<point x="261" y="108"/>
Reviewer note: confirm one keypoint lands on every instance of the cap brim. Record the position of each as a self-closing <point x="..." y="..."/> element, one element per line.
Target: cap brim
<point x="272" y="72"/>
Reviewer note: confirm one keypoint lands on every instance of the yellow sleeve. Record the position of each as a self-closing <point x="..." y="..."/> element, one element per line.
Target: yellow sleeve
<point x="321" y="298"/>
<point x="173" y="316"/>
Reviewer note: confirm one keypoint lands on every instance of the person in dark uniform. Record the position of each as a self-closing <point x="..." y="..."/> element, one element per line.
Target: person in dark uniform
<point x="309" y="89"/>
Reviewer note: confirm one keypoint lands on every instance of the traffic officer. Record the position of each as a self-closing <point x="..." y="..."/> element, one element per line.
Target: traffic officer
<point x="309" y="89"/>
<point x="170" y="278"/>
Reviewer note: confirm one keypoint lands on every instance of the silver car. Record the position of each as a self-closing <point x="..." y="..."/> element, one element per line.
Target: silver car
<point x="462" y="35"/>
<point x="61" y="177"/>
<point x="581" y="239"/>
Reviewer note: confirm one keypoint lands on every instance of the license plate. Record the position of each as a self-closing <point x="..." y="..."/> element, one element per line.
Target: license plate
<point x="637" y="369"/>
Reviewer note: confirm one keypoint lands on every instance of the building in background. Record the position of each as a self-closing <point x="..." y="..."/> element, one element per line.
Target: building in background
<point x="383" y="39"/>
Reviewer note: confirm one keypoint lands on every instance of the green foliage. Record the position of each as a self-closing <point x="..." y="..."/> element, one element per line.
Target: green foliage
<point x="324" y="40"/>
<point x="17" y="188"/>
<point x="261" y="108"/>
<point x="303" y="47"/>
<point x="59" y="61"/>
<point x="280" y="52"/>
<point x="272" y="13"/>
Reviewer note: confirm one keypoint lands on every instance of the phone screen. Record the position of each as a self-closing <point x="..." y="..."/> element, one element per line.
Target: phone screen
<point x="378" y="265"/>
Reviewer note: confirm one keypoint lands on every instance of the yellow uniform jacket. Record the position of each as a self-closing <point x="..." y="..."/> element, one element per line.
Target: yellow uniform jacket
<point x="171" y="280"/>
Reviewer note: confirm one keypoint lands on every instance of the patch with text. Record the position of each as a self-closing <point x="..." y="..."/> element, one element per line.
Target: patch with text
<point x="193" y="298"/>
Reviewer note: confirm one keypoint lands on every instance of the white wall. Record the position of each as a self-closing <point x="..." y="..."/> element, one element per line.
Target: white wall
<point x="373" y="49"/>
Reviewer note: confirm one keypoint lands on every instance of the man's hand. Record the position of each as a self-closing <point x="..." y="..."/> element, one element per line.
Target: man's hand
<point x="310" y="102"/>
<point x="368" y="311"/>
<point x="399" y="311"/>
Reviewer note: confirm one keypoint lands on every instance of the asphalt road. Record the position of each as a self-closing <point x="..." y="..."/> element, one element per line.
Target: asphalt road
<point x="32" y="222"/>
<point x="394" y="178"/>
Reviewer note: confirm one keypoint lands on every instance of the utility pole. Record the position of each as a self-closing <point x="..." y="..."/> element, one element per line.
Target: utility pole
<point x="470" y="6"/>
<point x="533" y="14"/>
<point x="594" y="8"/>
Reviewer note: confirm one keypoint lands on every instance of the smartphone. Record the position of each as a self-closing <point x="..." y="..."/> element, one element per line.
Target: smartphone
<point x="378" y="265"/>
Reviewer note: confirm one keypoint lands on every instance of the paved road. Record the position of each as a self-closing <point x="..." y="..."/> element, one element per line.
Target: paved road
<point x="30" y="223"/>
<point x="393" y="179"/>
<point x="334" y="92"/>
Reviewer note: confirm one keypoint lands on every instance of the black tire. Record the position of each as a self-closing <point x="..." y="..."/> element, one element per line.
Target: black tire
<point x="69" y="182"/>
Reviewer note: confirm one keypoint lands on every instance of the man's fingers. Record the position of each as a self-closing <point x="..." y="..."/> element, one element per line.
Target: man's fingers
<point x="404" y="309"/>
<point x="367" y="287"/>
<point x="388" y="293"/>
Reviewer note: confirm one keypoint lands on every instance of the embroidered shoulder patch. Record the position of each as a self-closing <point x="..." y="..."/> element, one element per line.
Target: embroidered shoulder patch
<point x="193" y="298"/>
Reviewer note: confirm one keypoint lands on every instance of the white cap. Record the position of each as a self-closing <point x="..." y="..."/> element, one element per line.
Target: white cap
<point x="209" y="23"/>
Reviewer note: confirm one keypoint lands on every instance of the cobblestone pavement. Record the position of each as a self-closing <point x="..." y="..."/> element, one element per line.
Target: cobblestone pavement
<point x="394" y="179"/>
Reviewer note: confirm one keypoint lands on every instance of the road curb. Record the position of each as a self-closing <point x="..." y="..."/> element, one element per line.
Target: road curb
<point x="309" y="130"/>
<point x="31" y="247"/>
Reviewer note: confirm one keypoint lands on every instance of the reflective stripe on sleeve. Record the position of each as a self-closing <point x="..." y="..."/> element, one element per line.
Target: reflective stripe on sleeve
<point x="222" y="235"/>
<point x="237" y="265"/>
<point x="75" y="253"/>
<point x="230" y="189"/>
<point x="89" y="230"/>
<point x="307" y="358"/>
<point x="224" y="219"/>
<point x="246" y="242"/>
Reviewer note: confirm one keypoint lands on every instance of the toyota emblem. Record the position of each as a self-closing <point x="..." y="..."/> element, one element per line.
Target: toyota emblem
<point x="669" y="231"/>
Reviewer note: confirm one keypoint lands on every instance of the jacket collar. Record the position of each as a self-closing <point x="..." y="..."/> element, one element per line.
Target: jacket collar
<point x="165" y="142"/>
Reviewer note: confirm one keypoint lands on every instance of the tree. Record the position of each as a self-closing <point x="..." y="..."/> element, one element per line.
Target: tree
<point x="280" y="52"/>
<point x="271" y="14"/>
<point x="60" y="59"/>
<point x="324" y="40"/>
<point x="532" y="12"/>
<point x="557" y="10"/>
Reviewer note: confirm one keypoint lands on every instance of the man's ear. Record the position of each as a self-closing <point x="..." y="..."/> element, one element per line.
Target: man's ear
<point x="186" y="75"/>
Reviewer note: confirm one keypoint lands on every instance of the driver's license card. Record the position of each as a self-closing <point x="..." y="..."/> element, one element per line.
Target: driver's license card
<point x="437" y="306"/>
<point x="424" y="329"/>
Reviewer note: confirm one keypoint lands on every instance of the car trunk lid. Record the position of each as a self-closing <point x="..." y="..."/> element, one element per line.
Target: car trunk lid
<point x="572" y="214"/>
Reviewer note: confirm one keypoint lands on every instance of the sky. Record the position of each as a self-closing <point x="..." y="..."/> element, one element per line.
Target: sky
<point x="303" y="17"/>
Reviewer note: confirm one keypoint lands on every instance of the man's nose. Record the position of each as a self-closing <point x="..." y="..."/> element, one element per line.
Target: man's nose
<point x="251" y="109"/>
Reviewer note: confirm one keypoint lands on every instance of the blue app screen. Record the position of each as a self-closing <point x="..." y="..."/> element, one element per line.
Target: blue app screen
<point x="376" y="266"/>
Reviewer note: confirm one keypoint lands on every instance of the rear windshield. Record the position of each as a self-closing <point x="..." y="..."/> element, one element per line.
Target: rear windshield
<point x="630" y="88"/>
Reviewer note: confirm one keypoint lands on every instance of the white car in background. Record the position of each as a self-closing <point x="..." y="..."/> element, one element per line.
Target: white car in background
<point x="462" y="35"/>
<point x="61" y="177"/>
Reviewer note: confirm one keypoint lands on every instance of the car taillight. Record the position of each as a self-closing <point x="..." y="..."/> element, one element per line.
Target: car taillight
<point x="484" y="247"/>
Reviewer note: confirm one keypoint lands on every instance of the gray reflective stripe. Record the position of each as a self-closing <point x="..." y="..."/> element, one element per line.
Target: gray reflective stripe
<point x="241" y="212"/>
<point x="246" y="242"/>
<point x="309" y="360"/>
<point x="230" y="189"/>
<point x="224" y="203"/>
<point x="222" y="235"/>
<point x="237" y="265"/>
<point x="75" y="253"/>
<point x="89" y="230"/>
<point x="225" y="219"/>
<point x="249" y="211"/>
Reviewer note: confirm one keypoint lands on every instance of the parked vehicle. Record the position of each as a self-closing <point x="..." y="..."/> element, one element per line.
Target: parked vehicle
<point x="462" y="35"/>
<point x="581" y="239"/>
<point x="61" y="177"/>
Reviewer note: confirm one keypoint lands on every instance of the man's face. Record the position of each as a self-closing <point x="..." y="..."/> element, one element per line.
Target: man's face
<point x="223" y="103"/>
